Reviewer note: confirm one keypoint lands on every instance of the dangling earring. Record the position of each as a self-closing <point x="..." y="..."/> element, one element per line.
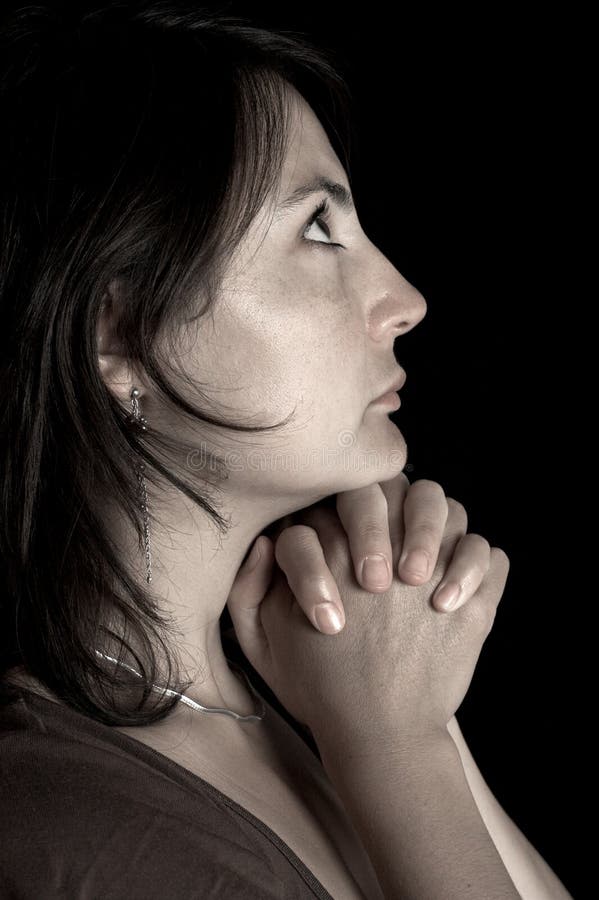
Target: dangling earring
<point x="136" y="419"/>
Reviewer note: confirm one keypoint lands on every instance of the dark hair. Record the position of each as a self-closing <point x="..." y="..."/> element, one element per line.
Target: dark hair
<point x="140" y="140"/>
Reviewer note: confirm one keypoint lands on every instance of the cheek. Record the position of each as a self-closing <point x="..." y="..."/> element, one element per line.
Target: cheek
<point x="293" y="343"/>
<point x="256" y="370"/>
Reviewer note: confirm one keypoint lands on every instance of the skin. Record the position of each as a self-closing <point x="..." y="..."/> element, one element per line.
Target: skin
<point x="318" y="329"/>
<point x="319" y="326"/>
<point x="393" y="520"/>
<point x="415" y="516"/>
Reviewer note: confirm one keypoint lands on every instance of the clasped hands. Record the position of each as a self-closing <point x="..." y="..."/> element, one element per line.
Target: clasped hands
<point x="391" y="527"/>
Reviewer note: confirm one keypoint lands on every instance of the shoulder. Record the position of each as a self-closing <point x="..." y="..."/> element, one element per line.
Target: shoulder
<point x="87" y="818"/>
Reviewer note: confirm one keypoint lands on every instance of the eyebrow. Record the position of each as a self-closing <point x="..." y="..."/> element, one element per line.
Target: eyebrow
<point x="338" y="193"/>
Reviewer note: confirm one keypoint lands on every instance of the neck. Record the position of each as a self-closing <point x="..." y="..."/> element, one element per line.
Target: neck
<point x="193" y="570"/>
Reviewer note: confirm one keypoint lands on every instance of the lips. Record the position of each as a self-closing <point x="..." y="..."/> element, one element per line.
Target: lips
<point x="396" y="385"/>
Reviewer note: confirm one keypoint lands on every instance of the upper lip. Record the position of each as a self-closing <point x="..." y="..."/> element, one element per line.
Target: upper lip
<point x="397" y="384"/>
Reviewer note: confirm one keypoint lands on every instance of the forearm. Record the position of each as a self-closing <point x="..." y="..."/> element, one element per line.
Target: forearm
<point x="419" y="823"/>
<point x="531" y="875"/>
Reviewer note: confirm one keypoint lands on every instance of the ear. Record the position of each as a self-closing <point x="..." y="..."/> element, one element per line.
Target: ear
<point x="118" y="372"/>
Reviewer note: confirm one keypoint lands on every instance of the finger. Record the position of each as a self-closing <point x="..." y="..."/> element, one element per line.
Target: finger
<point x="395" y="490"/>
<point x="425" y="514"/>
<point x="275" y="528"/>
<point x="364" y="515"/>
<point x="468" y="567"/>
<point x="299" y="554"/>
<point x="483" y="606"/>
<point x="248" y="590"/>
<point x="499" y="570"/>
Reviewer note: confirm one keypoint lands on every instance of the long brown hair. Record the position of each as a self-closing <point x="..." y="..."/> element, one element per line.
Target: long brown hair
<point x="140" y="140"/>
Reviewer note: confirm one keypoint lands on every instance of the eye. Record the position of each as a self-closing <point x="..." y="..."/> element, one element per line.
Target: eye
<point x="320" y="217"/>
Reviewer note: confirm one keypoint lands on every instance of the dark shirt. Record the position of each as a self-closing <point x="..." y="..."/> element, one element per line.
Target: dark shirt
<point x="87" y="812"/>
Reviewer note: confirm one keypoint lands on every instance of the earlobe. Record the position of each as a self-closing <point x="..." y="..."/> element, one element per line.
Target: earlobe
<point x="117" y="375"/>
<point x="120" y="376"/>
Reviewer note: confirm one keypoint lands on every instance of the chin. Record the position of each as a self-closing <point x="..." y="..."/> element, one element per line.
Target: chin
<point x="378" y="458"/>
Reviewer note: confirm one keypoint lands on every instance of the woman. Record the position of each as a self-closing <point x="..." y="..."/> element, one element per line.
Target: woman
<point x="197" y="332"/>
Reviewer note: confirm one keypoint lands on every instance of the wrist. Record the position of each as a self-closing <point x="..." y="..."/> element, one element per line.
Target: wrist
<point x="399" y="753"/>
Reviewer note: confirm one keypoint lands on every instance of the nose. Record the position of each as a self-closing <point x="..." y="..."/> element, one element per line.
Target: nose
<point x="397" y="311"/>
<point x="394" y="306"/>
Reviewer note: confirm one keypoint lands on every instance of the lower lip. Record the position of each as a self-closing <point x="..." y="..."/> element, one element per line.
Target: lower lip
<point x="392" y="399"/>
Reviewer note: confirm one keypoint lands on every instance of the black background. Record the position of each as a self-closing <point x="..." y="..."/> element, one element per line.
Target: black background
<point x="459" y="181"/>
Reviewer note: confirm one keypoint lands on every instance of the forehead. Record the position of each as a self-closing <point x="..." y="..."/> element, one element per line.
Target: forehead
<point x="309" y="151"/>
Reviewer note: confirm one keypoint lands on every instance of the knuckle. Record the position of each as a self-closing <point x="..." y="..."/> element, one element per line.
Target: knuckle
<point x="456" y="513"/>
<point x="294" y="538"/>
<point x="429" y="486"/>
<point x="479" y="615"/>
<point x="500" y="556"/>
<point x="298" y="533"/>
<point x="499" y="565"/>
<point x="359" y="496"/>
<point x="423" y="532"/>
<point x="455" y="506"/>
<point x="371" y="528"/>
<point x="427" y="482"/>
<point x="481" y="541"/>
<point x="311" y="563"/>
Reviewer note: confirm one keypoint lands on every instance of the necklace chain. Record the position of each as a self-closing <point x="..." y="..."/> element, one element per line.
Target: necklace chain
<point x="257" y="717"/>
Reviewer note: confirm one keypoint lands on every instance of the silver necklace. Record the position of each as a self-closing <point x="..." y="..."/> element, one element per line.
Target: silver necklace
<point x="257" y="717"/>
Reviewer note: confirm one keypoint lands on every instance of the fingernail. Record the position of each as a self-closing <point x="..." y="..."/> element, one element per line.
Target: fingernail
<point x="448" y="596"/>
<point x="416" y="563"/>
<point x="375" y="571"/>
<point x="328" y="618"/>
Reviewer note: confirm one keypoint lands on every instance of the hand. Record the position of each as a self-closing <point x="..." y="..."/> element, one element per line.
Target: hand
<point x="397" y="671"/>
<point x="393" y="520"/>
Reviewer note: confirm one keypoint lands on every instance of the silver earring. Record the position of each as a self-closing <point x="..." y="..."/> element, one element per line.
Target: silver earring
<point x="139" y="421"/>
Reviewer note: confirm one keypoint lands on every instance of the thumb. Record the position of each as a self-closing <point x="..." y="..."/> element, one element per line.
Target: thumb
<point x="247" y="593"/>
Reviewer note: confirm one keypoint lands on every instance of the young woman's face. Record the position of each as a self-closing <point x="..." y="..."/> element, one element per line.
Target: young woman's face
<point x="304" y="323"/>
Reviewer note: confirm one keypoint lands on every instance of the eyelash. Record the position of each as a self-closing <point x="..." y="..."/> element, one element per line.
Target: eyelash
<point x="322" y="212"/>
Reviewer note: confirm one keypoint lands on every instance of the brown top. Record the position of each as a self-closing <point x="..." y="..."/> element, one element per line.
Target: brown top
<point x="88" y="812"/>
